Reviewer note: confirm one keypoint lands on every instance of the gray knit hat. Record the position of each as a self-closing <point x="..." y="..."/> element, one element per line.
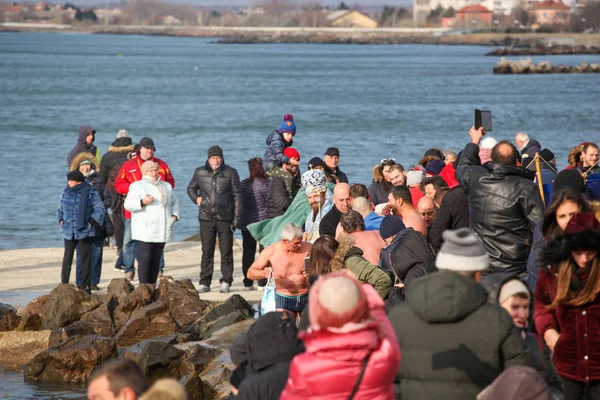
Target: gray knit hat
<point x="462" y="251"/>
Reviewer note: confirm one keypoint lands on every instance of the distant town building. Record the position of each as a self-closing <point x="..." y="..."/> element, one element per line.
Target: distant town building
<point x="550" y="12"/>
<point x="474" y="16"/>
<point x="350" y="19"/>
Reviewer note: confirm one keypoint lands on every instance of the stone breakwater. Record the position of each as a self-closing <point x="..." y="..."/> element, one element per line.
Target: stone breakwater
<point x="169" y="331"/>
<point x="542" y="50"/>
<point x="527" y="66"/>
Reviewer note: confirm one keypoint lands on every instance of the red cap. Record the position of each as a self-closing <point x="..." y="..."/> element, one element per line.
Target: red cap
<point x="291" y="153"/>
<point x="288" y="117"/>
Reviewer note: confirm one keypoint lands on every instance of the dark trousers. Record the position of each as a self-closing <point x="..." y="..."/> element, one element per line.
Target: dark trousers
<point x="84" y="246"/>
<point x="117" y="220"/>
<point x="96" y="268"/>
<point x="248" y="256"/>
<point x="581" y="390"/>
<point x="209" y="230"/>
<point x="148" y="256"/>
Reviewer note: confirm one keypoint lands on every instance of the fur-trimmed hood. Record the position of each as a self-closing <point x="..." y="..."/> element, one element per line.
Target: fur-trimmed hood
<point x="345" y="249"/>
<point x="124" y="149"/>
<point x="81" y="157"/>
<point x="574" y="156"/>
<point x="559" y="249"/>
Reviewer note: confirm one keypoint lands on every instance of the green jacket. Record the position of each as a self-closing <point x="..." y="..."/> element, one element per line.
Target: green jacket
<point x="350" y="257"/>
<point x="454" y="342"/>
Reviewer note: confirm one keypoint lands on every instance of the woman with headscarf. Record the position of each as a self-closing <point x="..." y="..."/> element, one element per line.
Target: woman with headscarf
<point x="154" y="209"/>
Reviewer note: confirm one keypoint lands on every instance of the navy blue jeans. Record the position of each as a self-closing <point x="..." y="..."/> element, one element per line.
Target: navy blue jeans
<point x="96" y="270"/>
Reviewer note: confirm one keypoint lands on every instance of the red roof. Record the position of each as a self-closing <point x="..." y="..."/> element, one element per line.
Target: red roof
<point x="550" y="5"/>
<point x="474" y="9"/>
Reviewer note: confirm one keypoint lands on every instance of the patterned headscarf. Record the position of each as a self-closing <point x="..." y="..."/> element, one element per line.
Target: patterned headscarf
<point x="314" y="181"/>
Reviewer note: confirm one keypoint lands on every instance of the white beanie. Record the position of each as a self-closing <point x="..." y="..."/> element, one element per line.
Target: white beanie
<point x="414" y="177"/>
<point x="488" y="143"/>
<point x="462" y="251"/>
<point x="511" y="288"/>
<point x="122" y="133"/>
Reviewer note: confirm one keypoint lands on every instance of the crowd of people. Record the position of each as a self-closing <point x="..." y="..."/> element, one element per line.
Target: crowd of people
<point x="447" y="278"/>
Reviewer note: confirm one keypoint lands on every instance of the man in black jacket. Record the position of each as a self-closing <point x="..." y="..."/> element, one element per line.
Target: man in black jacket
<point x="341" y="204"/>
<point x="332" y="161"/>
<point x="452" y="214"/>
<point x="454" y="342"/>
<point x="215" y="189"/>
<point x="504" y="203"/>
<point x="529" y="148"/>
<point x="284" y="185"/>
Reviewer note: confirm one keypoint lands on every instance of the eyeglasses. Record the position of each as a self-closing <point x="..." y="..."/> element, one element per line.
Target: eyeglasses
<point x="388" y="161"/>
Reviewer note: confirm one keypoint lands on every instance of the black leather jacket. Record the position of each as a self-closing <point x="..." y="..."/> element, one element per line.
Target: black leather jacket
<point x="220" y="192"/>
<point x="504" y="206"/>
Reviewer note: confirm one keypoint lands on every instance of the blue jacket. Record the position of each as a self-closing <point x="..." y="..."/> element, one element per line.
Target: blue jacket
<point x="69" y="207"/>
<point x="373" y="221"/>
<point x="274" y="156"/>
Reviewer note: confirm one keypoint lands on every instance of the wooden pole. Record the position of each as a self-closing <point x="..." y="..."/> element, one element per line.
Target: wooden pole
<point x="538" y="170"/>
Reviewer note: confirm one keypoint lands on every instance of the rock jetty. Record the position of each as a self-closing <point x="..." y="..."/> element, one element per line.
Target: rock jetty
<point x="537" y="49"/>
<point x="168" y="330"/>
<point x="527" y="66"/>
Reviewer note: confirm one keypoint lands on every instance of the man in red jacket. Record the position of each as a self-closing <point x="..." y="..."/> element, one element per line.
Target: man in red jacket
<point x="130" y="172"/>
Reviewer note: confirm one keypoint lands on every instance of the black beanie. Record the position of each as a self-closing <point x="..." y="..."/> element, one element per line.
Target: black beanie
<point x="215" y="151"/>
<point x="76" y="176"/>
<point x="569" y="178"/>
<point x="390" y="226"/>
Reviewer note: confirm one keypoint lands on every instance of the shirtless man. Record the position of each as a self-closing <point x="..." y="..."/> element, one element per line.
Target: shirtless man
<point x="400" y="201"/>
<point x="370" y="242"/>
<point x="286" y="260"/>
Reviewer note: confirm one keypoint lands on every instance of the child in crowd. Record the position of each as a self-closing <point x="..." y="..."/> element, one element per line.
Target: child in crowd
<point x="277" y="141"/>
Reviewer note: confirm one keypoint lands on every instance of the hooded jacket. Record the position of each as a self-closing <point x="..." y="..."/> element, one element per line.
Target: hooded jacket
<point x="409" y="256"/>
<point x="263" y="365"/>
<point x="332" y="362"/>
<point x="131" y="171"/>
<point x="116" y="156"/>
<point x="452" y="214"/>
<point x="68" y="210"/>
<point x="82" y="146"/>
<point x="274" y="156"/>
<point x="504" y="206"/>
<point x="351" y="257"/>
<point x="93" y="178"/>
<point x="454" y="342"/>
<point x="220" y="191"/>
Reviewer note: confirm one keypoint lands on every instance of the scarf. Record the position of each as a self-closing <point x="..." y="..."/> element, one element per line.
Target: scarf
<point x="161" y="188"/>
<point x="579" y="277"/>
<point x="83" y="191"/>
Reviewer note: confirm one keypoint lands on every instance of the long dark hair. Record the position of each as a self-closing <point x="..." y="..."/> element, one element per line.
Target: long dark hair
<point x="550" y="228"/>
<point x="321" y="253"/>
<point x="255" y="166"/>
<point x="564" y="291"/>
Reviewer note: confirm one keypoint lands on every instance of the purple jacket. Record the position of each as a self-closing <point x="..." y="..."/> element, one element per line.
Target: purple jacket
<point x="254" y="199"/>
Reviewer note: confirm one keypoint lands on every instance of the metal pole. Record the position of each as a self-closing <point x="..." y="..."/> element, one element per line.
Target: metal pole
<point x="538" y="170"/>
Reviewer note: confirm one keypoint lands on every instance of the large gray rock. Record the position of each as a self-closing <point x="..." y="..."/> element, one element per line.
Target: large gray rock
<point x="182" y="298"/>
<point x="151" y="321"/>
<point x="66" y="304"/>
<point x="157" y="359"/>
<point x="80" y="328"/>
<point x="19" y="348"/>
<point x="71" y="361"/>
<point x="35" y="314"/>
<point x="118" y="289"/>
<point x="234" y="309"/>
<point x="196" y="388"/>
<point x="143" y="295"/>
<point x="9" y="319"/>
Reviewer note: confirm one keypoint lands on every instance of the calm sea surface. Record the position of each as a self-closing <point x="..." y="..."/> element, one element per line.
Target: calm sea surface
<point x="188" y="94"/>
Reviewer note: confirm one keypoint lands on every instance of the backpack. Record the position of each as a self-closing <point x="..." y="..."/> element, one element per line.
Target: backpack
<point x="116" y="198"/>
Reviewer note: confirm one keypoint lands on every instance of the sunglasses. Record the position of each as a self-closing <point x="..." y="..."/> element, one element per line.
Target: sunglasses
<point x="388" y="161"/>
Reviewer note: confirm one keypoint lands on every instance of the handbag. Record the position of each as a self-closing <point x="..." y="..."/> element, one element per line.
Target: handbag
<point x="108" y="229"/>
<point x="267" y="304"/>
<point x="362" y="372"/>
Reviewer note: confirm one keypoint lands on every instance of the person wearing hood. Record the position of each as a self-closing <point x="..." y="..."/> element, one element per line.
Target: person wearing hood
<point x="454" y="342"/>
<point x="154" y="209"/>
<point x="514" y="296"/>
<point x="567" y="305"/>
<point x="351" y="350"/>
<point x="85" y="143"/>
<point x="79" y="212"/>
<point x="504" y="203"/>
<point x="278" y="141"/>
<point x="263" y="365"/>
<point x="320" y="200"/>
<point x="529" y="148"/>
<point x="88" y="165"/>
<point x="131" y="171"/>
<point x="215" y="189"/>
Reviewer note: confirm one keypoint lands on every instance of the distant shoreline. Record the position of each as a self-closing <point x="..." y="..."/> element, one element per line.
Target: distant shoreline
<point x="251" y="35"/>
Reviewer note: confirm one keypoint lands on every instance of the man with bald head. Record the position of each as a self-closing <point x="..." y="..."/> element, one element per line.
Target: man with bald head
<point x="504" y="204"/>
<point x="342" y="203"/>
<point x="365" y="208"/>
<point x="528" y="148"/>
<point x="427" y="210"/>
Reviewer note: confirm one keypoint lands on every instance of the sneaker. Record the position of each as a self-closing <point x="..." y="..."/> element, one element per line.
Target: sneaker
<point x="85" y="289"/>
<point x="119" y="268"/>
<point x="130" y="275"/>
<point x="94" y="287"/>
<point x="204" y="289"/>
<point x="225" y="288"/>
<point x="250" y="288"/>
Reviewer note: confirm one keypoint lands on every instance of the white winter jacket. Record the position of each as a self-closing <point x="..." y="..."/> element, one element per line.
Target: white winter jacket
<point x="151" y="223"/>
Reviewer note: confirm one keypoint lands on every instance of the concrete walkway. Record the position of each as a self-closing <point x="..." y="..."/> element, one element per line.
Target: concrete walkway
<point x="28" y="273"/>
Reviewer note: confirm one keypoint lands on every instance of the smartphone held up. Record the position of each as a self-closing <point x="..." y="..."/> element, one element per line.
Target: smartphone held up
<point x="483" y="119"/>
